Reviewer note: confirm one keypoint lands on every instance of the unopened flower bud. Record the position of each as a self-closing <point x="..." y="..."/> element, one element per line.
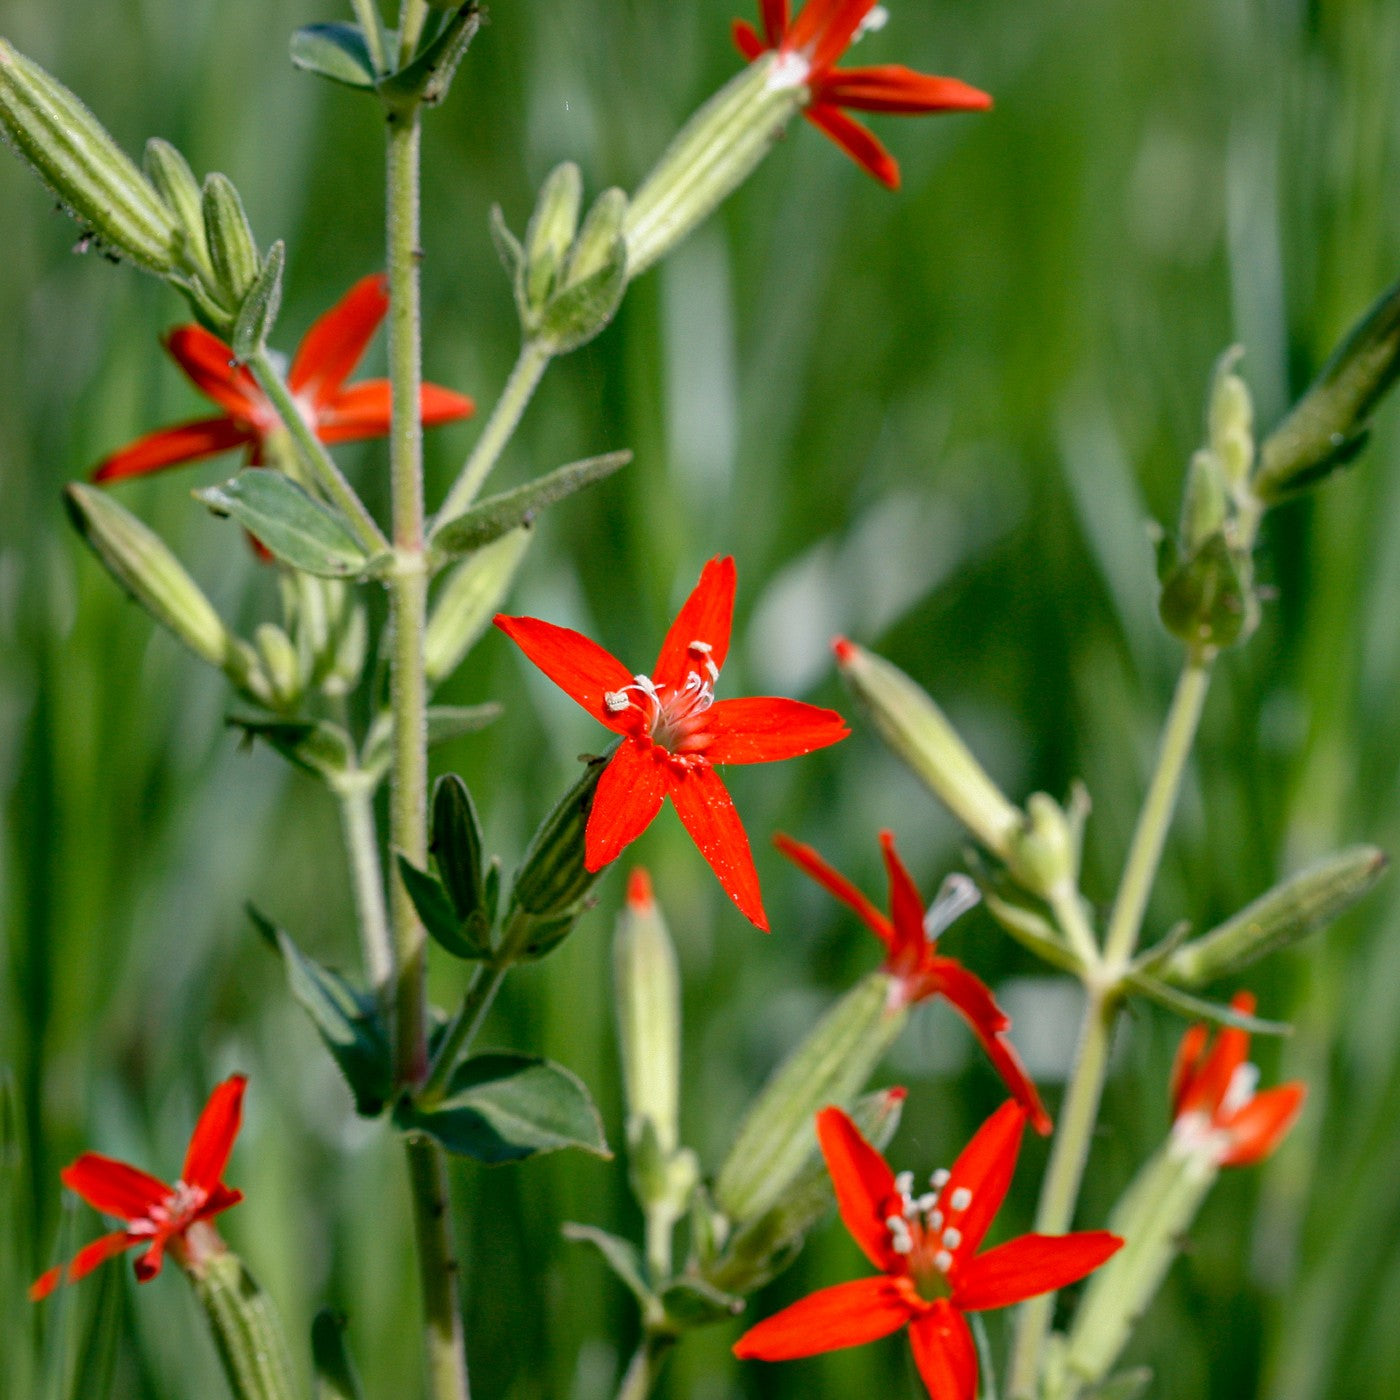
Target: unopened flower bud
<point x="551" y="232"/>
<point x="232" y="250"/>
<point x="1300" y="905"/>
<point x="1044" y="855"/>
<point x="1203" y="503"/>
<point x="71" y="151"/>
<point x="553" y="879"/>
<point x="174" y="181"/>
<point x="1231" y="421"/>
<point x="919" y="733"/>
<point x="280" y="663"/>
<point x="470" y="598"/>
<point x="595" y="248"/>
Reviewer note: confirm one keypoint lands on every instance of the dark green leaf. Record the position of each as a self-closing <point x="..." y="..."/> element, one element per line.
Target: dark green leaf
<point x="336" y="1378"/>
<point x="497" y="515"/>
<point x="335" y="51"/>
<point x="507" y="1107"/>
<point x="457" y="844"/>
<point x="462" y="937"/>
<point x="317" y="747"/>
<point x="621" y="1256"/>
<point x="691" y="1302"/>
<point x="1198" y="1009"/>
<point x="258" y="313"/>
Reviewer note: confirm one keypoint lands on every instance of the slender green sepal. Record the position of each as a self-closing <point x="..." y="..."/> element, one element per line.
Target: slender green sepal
<point x="258" y="313"/>
<point x="173" y="180"/>
<point x="232" y="249"/>
<point x="553" y="877"/>
<point x="428" y="77"/>
<point x="457" y="845"/>
<point x="551" y="232"/>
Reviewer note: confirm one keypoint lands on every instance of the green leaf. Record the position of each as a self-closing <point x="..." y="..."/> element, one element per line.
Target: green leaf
<point x="1126" y="1385"/>
<point x="258" y="313"/>
<point x="335" y="51"/>
<point x="347" y="1021"/>
<point x="507" y="1107"/>
<point x="691" y="1302"/>
<point x="464" y="937"/>
<point x="315" y="746"/>
<point x="445" y="723"/>
<point x="578" y="313"/>
<point x="457" y="844"/>
<point x="621" y="1256"/>
<point x="336" y="1377"/>
<point x="1199" y="1009"/>
<point x="429" y="76"/>
<point x="297" y="528"/>
<point x="497" y="515"/>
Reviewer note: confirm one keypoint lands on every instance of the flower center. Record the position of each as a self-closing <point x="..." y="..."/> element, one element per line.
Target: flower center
<point x="926" y="1230"/>
<point x="174" y="1213"/>
<point x="790" y="70"/>
<point x="676" y="721"/>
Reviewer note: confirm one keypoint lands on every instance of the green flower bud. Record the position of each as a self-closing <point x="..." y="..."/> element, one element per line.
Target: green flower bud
<point x="280" y="663"/>
<point x="470" y="598"/>
<point x="71" y="151"/>
<point x="551" y="232"/>
<point x="1208" y="598"/>
<point x="1230" y="421"/>
<point x="1044" y="856"/>
<point x="232" y="250"/>
<point x="1203" y="503"/>
<point x="174" y="181"/>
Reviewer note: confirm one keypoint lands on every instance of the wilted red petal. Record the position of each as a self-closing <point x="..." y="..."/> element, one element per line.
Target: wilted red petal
<point x="705" y="617"/>
<point x="1029" y="1265"/>
<point x="172" y="447"/>
<point x="858" y="142"/>
<point x="113" y="1187"/>
<point x="83" y="1263"/>
<point x="335" y="343"/>
<point x="893" y="88"/>
<point x="212" y="1139"/>
<point x="828" y="26"/>
<point x="945" y="1353"/>
<point x="629" y="795"/>
<point x="863" y="1183"/>
<point x="906" y="911"/>
<point x="364" y="410"/>
<point x="1263" y="1123"/>
<point x="746" y="40"/>
<point x="843" y="1316"/>
<point x="968" y="993"/>
<point x="764" y="729"/>
<point x="703" y="804"/>
<point x="213" y="370"/>
<point x="983" y="1171"/>
<point x="578" y="666"/>
<point x="838" y="885"/>
<point x="1186" y="1064"/>
<point x="777" y="18"/>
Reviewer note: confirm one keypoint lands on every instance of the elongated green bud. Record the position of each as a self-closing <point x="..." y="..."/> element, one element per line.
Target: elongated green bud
<point x="551" y="232"/>
<point x="71" y="151"/>
<point x="170" y="174"/>
<point x="777" y="1137"/>
<point x="232" y="249"/>
<point x="1230" y="421"/>
<point x="918" y="732"/>
<point x="1327" y="426"/>
<point x="713" y="154"/>
<point x="280" y="662"/>
<point x="470" y="598"/>
<point x="1300" y="905"/>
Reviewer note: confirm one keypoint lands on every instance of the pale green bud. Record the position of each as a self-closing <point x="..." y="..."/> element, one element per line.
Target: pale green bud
<point x="468" y="600"/>
<point x="1044" y="854"/>
<point x="174" y="181"/>
<point x="1203" y="503"/>
<point x="1231" y="421"/>
<point x="551" y="232"/>
<point x="232" y="250"/>
<point x="280" y="663"/>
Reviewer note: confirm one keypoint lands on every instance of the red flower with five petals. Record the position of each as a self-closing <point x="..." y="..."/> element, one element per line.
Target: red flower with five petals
<point x="1213" y="1100"/>
<point x="157" y="1216"/>
<point x="324" y="361"/>
<point x="808" y="49"/>
<point x="674" y="731"/>
<point x="917" y="968"/>
<point x="926" y="1249"/>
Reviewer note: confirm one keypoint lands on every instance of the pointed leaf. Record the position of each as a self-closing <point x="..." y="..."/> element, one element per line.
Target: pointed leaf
<point x="258" y="313"/>
<point x="463" y="938"/>
<point x="622" y="1257"/>
<point x="1198" y="1009"/>
<point x="315" y="746"/>
<point x="457" y="845"/>
<point x="691" y="1302"/>
<point x="497" y="515"/>
<point x="336" y="1377"/>
<point x="428" y="77"/>
<point x="335" y="51"/>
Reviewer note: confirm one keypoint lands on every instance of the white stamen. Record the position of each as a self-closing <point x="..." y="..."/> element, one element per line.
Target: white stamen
<point x="789" y="70"/>
<point x="711" y="670"/>
<point x="904" y="1183"/>
<point x="700" y="648"/>
<point x="942" y="1261"/>
<point x="1240" y="1091"/>
<point x="939" y="1179"/>
<point x="873" y="23"/>
<point x="952" y="1237"/>
<point x="616" y="701"/>
<point x="956" y="895"/>
<point x="962" y="1198"/>
<point x="935" y="1220"/>
<point x="926" y="1203"/>
<point x="902" y="1246"/>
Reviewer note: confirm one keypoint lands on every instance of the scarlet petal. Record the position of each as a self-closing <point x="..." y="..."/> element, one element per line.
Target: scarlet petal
<point x="212" y="1139"/>
<point x="832" y="24"/>
<point x="437" y="405"/>
<point x="838" y="885"/>
<point x="1218" y="1067"/>
<point x="945" y="1353"/>
<point x="764" y="729"/>
<point x="171" y="447"/>
<point x="777" y="18"/>
<point x="858" y="142"/>
<point x="863" y="1183"/>
<point x="1030" y="1265"/>
<point x="221" y="1198"/>
<point x="746" y="40"/>
<point x="906" y="911"/>
<point x="579" y="667"/>
<point x="893" y="88"/>
<point x="364" y="410"/>
<point x="213" y="370"/>
<point x="83" y="1263"/>
<point x="630" y="793"/>
<point x="335" y="343"/>
<point x="114" y="1188"/>
<point x="703" y="804"/>
<point x="148" y="1265"/>
<point x="1008" y="1064"/>
<point x="1187" y="1064"/>
<point x="706" y="617"/>
<point x="844" y="1316"/>
<point x="983" y="1171"/>
<point x="1263" y="1123"/>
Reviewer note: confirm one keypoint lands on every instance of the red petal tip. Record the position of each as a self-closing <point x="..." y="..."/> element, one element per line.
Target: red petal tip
<point x="639" y="895"/>
<point x="844" y="650"/>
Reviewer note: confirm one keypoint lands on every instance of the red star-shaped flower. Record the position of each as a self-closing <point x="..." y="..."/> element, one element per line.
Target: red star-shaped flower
<point x="157" y="1216"/>
<point x="917" y="968"/>
<point x="808" y="48"/>
<point x="674" y="731"/>
<point x="337" y="412"/>
<point x="926" y="1249"/>
<point x="1214" y="1103"/>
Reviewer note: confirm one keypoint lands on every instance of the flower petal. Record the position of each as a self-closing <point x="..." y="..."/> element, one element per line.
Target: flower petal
<point x="365" y="410"/>
<point x="212" y="1139"/>
<point x="1263" y="1123"/>
<point x="844" y="1316"/>
<point x="979" y="1178"/>
<point x="893" y="88"/>
<point x="148" y="1264"/>
<point x="829" y="26"/>
<point x="858" y="142"/>
<point x="114" y="1188"/>
<point x="172" y="447"/>
<point x="1187" y="1063"/>
<point x="88" y="1258"/>
<point x="630" y="792"/>
<point x="703" y="804"/>
<point x="1212" y="1080"/>
<point x="764" y="729"/>
<point x="705" y="617"/>
<point x="864" y="1184"/>
<point x="213" y="370"/>
<point x="838" y="885"/>
<point x="221" y="1198"/>
<point x="777" y="20"/>
<point x="578" y="666"/>
<point x="746" y="40"/>
<point x="1007" y="1063"/>
<point x="945" y="1353"/>
<point x="438" y="405"/>
<point x="1030" y="1265"/>
<point x="910" y="947"/>
<point x="336" y="342"/>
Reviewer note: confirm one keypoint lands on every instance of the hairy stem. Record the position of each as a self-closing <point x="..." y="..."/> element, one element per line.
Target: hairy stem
<point x="437" y="1272"/>
<point x="413" y="14"/>
<point x="356" y="799"/>
<point x="368" y="17"/>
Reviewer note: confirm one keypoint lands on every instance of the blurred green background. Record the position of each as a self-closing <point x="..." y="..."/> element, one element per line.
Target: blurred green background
<point x="936" y="421"/>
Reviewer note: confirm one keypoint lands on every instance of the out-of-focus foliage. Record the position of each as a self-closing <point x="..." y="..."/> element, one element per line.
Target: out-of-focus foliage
<point x="935" y="421"/>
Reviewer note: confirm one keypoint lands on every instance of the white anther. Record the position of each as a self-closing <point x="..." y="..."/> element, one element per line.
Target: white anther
<point x="939" y="1179"/>
<point x="902" y="1244"/>
<point x="935" y="1220"/>
<point x="942" y="1261"/>
<point x="904" y="1183"/>
<point x="700" y="648"/>
<point x="875" y="21"/>
<point x="616" y="701"/>
<point x="926" y="1202"/>
<point x="952" y="1237"/>
<point x="962" y="1198"/>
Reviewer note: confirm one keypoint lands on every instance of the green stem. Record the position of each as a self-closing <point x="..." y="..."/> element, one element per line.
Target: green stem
<point x="505" y="418"/>
<point x="647" y="1362"/>
<point x="313" y="452"/>
<point x="413" y="14"/>
<point x="437" y="1272"/>
<point x="368" y="16"/>
<point x="356" y="799"/>
<point x="247" y="1332"/>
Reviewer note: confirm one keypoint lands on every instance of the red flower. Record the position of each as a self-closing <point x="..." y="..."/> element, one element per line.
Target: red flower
<point x="808" y="48"/>
<point x="325" y="359"/>
<point x="918" y="970"/>
<point x="1213" y="1098"/>
<point x="156" y="1215"/>
<point x="926" y="1249"/>
<point x="674" y="732"/>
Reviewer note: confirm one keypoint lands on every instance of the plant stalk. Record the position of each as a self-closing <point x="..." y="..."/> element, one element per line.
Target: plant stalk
<point x="437" y="1272"/>
<point x="367" y="15"/>
<point x="646" y="1365"/>
<point x="356" y="799"/>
